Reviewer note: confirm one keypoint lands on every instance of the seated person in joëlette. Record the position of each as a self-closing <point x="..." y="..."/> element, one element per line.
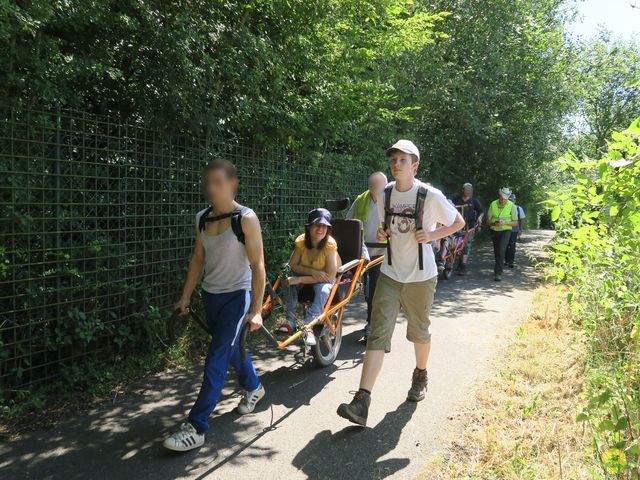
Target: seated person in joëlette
<point x="314" y="261"/>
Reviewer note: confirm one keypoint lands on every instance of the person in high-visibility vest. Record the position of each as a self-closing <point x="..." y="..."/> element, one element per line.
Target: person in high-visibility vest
<point x="501" y="217"/>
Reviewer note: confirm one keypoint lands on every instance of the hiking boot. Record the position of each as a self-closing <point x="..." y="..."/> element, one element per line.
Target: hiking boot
<point x="187" y="438"/>
<point x="418" y="388"/>
<point x="497" y="278"/>
<point x="511" y="265"/>
<point x="358" y="410"/>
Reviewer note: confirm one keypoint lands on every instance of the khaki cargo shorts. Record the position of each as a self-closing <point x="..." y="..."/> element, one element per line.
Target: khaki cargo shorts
<point x="414" y="298"/>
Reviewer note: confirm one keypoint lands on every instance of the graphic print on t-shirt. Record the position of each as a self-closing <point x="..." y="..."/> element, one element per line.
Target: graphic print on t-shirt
<point x="403" y="224"/>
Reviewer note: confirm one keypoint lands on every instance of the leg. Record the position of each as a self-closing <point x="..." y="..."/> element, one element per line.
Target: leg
<point x="225" y="314"/>
<point x="422" y="351"/>
<point x="291" y="303"/>
<point x="503" y="244"/>
<point x="510" y="254"/>
<point x="373" y="360"/>
<point x="372" y="281"/>
<point x="417" y="299"/>
<point x="386" y="307"/>
<point x="321" y="292"/>
<point x="499" y="260"/>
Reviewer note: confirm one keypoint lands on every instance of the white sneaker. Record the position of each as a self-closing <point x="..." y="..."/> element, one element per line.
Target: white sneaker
<point x="184" y="439"/>
<point x="310" y="341"/>
<point x="250" y="400"/>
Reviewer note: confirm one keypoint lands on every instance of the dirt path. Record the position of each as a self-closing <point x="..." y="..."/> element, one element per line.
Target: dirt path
<point x="295" y="432"/>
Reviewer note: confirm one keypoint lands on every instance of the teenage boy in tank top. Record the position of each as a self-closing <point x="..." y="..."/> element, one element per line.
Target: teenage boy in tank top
<point x="408" y="277"/>
<point x="233" y="282"/>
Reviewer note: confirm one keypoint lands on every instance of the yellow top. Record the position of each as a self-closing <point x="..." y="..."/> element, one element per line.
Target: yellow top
<point x="314" y="258"/>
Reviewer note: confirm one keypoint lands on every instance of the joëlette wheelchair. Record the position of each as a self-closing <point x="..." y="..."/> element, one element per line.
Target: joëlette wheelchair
<point x="327" y="327"/>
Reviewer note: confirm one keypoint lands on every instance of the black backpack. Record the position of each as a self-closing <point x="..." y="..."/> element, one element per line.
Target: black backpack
<point x="417" y="214"/>
<point x="236" y="220"/>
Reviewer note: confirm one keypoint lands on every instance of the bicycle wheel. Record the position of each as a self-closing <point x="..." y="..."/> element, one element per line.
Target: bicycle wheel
<point x="327" y="346"/>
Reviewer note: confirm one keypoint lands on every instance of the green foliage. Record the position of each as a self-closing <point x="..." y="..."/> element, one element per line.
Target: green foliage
<point x="596" y="251"/>
<point x="606" y="89"/>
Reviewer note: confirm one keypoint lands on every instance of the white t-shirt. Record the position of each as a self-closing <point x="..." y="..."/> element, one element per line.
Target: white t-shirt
<point x="405" y="267"/>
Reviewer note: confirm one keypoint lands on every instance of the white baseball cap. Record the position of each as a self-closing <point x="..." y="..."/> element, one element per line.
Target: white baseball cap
<point x="504" y="192"/>
<point x="406" y="146"/>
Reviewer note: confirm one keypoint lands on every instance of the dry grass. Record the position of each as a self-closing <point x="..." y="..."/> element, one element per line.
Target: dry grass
<point x="522" y="425"/>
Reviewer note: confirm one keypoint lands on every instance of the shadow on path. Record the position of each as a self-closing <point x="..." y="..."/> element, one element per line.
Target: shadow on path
<point x="356" y="452"/>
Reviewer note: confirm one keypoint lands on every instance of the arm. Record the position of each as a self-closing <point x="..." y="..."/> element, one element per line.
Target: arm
<point x="521" y="222"/>
<point x="331" y="266"/>
<point x="194" y="274"/>
<point x="480" y="212"/>
<point x="255" y="254"/>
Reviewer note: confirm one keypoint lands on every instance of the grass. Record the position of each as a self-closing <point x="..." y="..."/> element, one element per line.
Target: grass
<point x="522" y="424"/>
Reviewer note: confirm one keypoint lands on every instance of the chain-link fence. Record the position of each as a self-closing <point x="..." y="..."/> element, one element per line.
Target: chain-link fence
<point x="97" y="223"/>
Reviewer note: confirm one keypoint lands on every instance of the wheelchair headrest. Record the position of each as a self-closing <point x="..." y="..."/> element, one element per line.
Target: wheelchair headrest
<point x="336" y="205"/>
<point x="348" y="236"/>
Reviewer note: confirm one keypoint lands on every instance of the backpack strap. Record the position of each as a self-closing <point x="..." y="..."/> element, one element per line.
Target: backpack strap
<point x="388" y="213"/>
<point x="419" y="212"/>
<point x="236" y="220"/>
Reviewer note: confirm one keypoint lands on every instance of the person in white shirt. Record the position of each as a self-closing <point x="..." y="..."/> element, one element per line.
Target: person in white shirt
<point x="411" y="212"/>
<point x="365" y="209"/>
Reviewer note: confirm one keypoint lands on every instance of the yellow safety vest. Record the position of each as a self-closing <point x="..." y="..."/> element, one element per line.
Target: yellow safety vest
<point x="496" y="213"/>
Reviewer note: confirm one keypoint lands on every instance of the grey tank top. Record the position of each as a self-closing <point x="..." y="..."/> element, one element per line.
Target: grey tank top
<point x="226" y="265"/>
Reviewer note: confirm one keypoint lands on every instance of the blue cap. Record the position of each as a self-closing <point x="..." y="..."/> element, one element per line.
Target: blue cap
<point x="319" y="215"/>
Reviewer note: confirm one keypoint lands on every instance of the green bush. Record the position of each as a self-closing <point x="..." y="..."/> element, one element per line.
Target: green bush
<point x="596" y="252"/>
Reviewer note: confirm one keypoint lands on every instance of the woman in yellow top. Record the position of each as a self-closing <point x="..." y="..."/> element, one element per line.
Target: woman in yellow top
<point x="314" y="261"/>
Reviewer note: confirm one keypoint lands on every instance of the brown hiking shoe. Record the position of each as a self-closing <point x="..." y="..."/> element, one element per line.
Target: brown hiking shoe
<point x="358" y="410"/>
<point x="418" y="385"/>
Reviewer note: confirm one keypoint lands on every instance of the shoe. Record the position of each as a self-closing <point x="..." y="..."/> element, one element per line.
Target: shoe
<point x="358" y="410"/>
<point x="511" y="265"/>
<point x="286" y="327"/>
<point x="310" y="339"/>
<point x="367" y="331"/>
<point x="250" y="400"/>
<point x="184" y="439"/>
<point x="418" y="388"/>
<point x="497" y="278"/>
<point x="462" y="270"/>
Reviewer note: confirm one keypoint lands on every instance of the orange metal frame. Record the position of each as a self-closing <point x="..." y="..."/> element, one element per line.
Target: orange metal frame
<point x="329" y="309"/>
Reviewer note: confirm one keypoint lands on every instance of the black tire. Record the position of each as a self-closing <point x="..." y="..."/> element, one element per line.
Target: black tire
<point x="327" y="346"/>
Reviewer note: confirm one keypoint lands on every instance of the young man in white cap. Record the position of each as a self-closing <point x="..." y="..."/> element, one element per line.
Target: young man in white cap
<point x="411" y="211"/>
<point x="501" y="217"/>
<point x="365" y="209"/>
